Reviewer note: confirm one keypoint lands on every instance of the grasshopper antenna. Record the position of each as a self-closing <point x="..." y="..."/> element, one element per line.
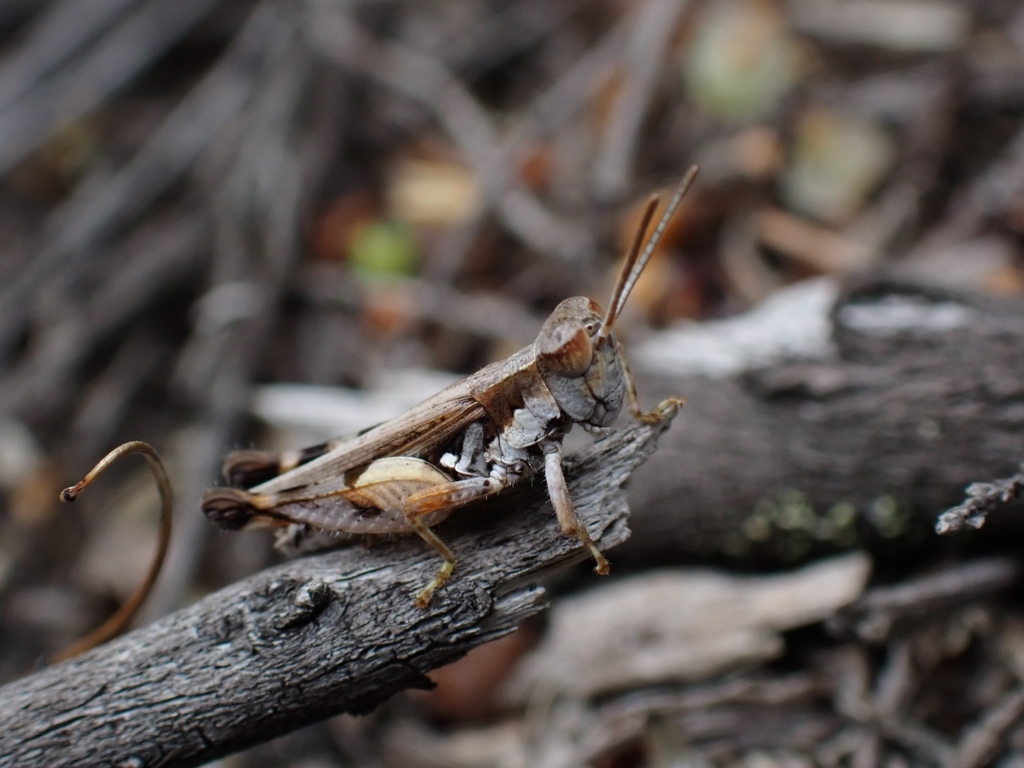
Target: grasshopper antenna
<point x="636" y="261"/>
<point x="116" y="623"/>
<point x="627" y="265"/>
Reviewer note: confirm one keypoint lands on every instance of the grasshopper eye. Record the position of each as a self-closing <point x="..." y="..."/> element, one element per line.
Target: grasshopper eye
<point x="565" y="349"/>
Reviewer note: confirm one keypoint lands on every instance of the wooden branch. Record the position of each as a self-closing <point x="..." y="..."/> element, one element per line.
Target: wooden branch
<point x="914" y="394"/>
<point x="312" y="638"/>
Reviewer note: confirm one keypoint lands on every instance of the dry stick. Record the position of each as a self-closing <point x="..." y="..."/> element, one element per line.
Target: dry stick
<point x="104" y="403"/>
<point x="852" y="699"/>
<point x="561" y="101"/>
<point x="768" y="691"/>
<point x="155" y="259"/>
<point x="118" y="57"/>
<point x="627" y="718"/>
<point x="93" y="213"/>
<point x="569" y="93"/>
<point x="312" y="638"/>
<point x="100" y="206"/>
<point x="13" y="12"/>
<point x="873" y="615"/>
<point x="896" y="681"/>
<point x="502" y="35"/>
<point x="652" y="32"/>
<point x="426" y="81"/>
<point x="481" y="314"/>
<point x="867" y="752"/>
<point x="59" y="33"/>
<point x="983" y="740"/>
<point x="989" y="195"/>
<point x="889" y="225"/>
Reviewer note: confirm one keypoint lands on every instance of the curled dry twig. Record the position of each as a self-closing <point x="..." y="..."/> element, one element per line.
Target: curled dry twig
<point x="116" y="623"/>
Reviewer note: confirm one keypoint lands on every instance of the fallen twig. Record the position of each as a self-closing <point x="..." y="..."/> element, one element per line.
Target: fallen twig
<point x="981" y="499"/>
<point x="100" y="206"/>
<point x="982" y="740"/>
<point x="873" y="616"/>
<point x="60" y="33"/>
<point x="119" y="56"/>
<point x="652" y="33"/>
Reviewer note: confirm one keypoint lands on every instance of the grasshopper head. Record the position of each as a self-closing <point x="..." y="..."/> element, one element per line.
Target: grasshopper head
<point x="577" y="355"/>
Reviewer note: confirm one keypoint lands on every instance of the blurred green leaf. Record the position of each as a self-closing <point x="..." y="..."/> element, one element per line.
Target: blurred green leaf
<point x="384" y="249"/>
<point x="837" y="161"/>
<point x="742" y="60"/>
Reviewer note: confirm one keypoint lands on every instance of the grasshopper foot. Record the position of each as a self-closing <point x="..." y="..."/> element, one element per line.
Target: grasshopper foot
<point x="424" y="595"/>
<point x="601" y="562"/>
<point x="603" y="567"/>
<point x="666" y="409"/>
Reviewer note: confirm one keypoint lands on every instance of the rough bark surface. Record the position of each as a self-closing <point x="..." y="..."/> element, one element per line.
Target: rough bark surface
<point x="898" y="412"/>
<point x="315" y="637"/>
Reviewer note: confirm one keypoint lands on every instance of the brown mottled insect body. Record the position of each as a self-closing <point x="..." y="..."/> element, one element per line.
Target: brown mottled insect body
<point x="472" y="439"/>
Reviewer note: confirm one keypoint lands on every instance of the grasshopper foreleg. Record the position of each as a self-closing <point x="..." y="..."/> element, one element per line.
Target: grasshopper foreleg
<point x="665" y="408"/>
<point x="562" y="502"/>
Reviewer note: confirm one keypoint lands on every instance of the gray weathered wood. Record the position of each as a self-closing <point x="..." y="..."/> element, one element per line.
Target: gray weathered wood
<point x="315" y="637"/>
<point x="899" y="415"/>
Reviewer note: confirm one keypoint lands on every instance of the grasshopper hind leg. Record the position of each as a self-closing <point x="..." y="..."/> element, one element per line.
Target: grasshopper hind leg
<point x="445" y="496"/>
<point x="424" y="595"/>
<point x="664" y="409"/>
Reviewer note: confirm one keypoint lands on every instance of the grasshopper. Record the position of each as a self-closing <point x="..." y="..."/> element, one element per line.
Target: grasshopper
<point x="472" y="439"/>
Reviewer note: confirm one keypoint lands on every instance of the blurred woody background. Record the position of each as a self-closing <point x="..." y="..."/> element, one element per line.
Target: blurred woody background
<point x="227" y="223"/>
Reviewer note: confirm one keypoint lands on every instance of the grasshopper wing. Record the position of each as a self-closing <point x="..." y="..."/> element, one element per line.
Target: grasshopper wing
<point x="425" y="428"/>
